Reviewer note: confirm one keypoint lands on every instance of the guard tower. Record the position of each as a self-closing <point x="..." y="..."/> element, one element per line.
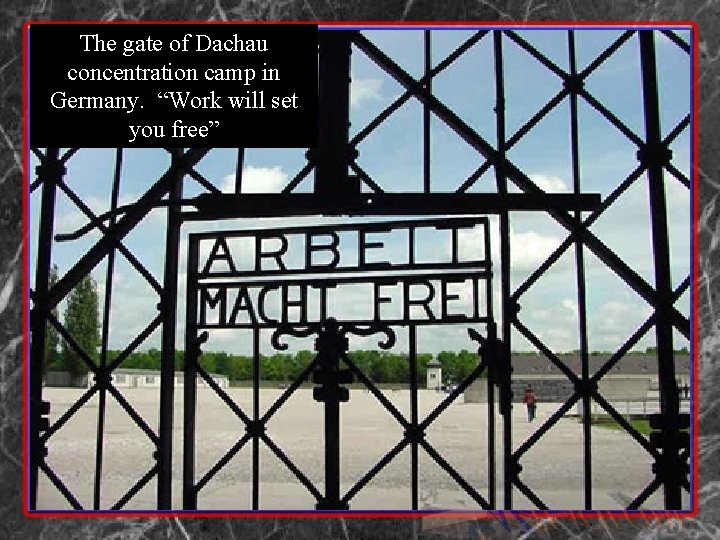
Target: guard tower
<point x="434" y="374"/>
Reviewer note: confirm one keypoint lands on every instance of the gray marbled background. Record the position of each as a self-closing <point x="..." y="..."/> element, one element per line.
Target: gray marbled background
<point x="12" y="15"/>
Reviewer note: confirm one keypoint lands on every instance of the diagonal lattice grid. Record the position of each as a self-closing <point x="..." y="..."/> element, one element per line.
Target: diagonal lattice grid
<point x="654" y="160"/>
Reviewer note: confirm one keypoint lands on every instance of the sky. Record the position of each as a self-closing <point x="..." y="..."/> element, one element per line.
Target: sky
<point x="392" y="156"/>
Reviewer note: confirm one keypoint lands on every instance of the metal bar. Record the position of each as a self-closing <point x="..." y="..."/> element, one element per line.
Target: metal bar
<point x="542" y="269"/>
<point x="332" y="153"/>
<point x="607" y="53"/>
<point x="535" y="120"/>
<point x="222" y="394"/>
<point x="67" y="155"/>
<point x="192" y="351"/>
<point x="373" y="226"/>
<point x="477" y="497"/>
<point x="36" y="184"/>
<point x="380" y="465"/>
<point x="68" y="337"/>
<point x="60" y="485"/>
<point x="135" y="488"/>
<point x="544" y="60"/>
<point x="530" y="494"/>
<point x="68" y="414"/>
<point x="50" y="172"/>
<point x="614" y="195"/>
<point x="227" y="205"/>
<point x="395" y="105"/>
<point x="624" y="348"/>
<point x="412" y="354"/>
<point x="677" y="40"/>
<point x="521" y="179"/>
<point x="437" y="411"/>
<point x="463" y="130"/>
<point x="610" y="117"/>
<point x="135" y="343"/>
<point x="426" y="111"/>
<point x="365" y="177"/>
<point x="385" y="402"/>
<point x="199" y="178"/>
<point x="353" y="322"/>
<point x="329" y="363"/>
<point x="677" y="130"/>
<point x="304" y="480"/>
<point x="168" y="303"/>
<point x="532" y="338"/>
<point x="549" y="423"/>
<point x="288" y="392"/>
<point x="639" y="333"/>
<point x="299" y="177"/>
<point x="506" y="300"/>
<point x="669" y="400"/>
<point x="105" y="231"/>
<point x="474" y="177"/>
<point x="684" y="180"/>
<point x="131" y="218"/>
<point x="651" y="488"/>
<point x="580" y="281"/>
<point x="133" y="414"/>
<point x="490" y="382"/>
<point x="478" y="268"/>
<point x="620" y="419"/>
<point x="110" y="271"/>
<point x="239" y="164"/>
<point x="256" y="420"/>
<point x="231" y="453"/>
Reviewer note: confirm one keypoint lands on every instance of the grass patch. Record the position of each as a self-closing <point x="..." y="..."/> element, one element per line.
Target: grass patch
<point x="638" y="422"/>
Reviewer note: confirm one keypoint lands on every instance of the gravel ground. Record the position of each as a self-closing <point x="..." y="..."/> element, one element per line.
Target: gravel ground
<point x="553" y="468"/>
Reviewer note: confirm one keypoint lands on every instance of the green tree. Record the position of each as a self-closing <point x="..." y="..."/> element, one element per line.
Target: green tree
<point x="422" y="360"/>
<point x="52" y="339"/>
<point x="81" y="321"/>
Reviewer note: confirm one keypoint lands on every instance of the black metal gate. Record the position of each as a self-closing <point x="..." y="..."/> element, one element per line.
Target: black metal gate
<point x="335" y="192"/>
<point x="230" y="298"/>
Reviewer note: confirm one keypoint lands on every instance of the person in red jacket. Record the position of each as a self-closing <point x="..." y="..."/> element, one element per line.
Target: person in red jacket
<point x="530" y="400"/>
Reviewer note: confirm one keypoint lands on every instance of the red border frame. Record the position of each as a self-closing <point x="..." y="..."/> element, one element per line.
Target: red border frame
<point x="498" y="514"/>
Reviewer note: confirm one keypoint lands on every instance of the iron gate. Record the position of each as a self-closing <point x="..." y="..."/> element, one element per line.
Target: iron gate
<point x="230" y="297"/>
<point x="335" y="192"/>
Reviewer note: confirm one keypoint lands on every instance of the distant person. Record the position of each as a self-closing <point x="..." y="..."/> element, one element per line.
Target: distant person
<point x="686" y="390"/>
<point x="530" y="400"/>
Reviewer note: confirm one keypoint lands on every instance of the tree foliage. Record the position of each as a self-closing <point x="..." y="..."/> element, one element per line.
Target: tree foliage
<point x="51" y="358"/>
<point x="81" y="322"/>
<point x="379" y="366"/>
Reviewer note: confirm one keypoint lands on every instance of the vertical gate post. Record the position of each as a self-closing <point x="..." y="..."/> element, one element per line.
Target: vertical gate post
<point x="330" y="345"/>
<point x="192" y="352"/>
<point x="508" y="305"/>
<point x="490" y="349"/>
<point x="51" y="170"/>
<point x="333" y="152"/>
<point x="168" y="307"/>
<point x="655" y="154"/>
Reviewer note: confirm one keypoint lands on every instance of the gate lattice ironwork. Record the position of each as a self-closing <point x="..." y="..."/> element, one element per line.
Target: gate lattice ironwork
<point x="335" y="192"/>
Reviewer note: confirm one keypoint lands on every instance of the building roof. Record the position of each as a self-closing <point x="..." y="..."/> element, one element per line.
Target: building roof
<point x="636" y="364"/>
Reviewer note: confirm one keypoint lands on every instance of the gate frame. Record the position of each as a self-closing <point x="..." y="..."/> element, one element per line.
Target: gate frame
<point x="335" y="193"/>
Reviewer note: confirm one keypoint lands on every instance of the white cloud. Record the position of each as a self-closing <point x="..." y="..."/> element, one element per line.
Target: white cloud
<point x="257" y="180"/>
<point x="530" y="249"/>
<point x="364" y="90"/>
<point x="551" y="184"/>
